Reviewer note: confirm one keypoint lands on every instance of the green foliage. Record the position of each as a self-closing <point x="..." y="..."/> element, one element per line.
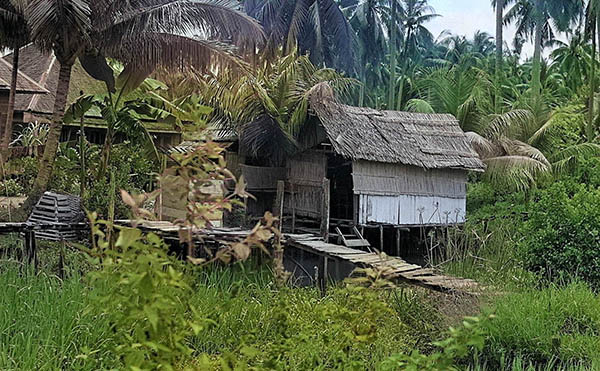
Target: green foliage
<point x="562" y="230"/>
<point x="557" y="325"/>
<point x="145" y="298"/>
<point x="134" y="172"/>
<point x="44" y="324"/>
<point x="11" y="188"/>
<point x="33" y="134"/>
<point x="297" y="329"/>
<point x="460" y="343"/>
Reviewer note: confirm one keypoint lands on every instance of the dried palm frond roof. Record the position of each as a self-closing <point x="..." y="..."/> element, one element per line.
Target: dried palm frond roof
<point x="43" y="70"/>
<point x="430" y="141"/>
<point x="25" y="84"/>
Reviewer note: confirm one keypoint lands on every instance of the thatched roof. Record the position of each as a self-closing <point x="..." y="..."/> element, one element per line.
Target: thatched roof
<point x="430" y="141"/>
<point x="43" y="69"/>
<point x="25" y="84"/>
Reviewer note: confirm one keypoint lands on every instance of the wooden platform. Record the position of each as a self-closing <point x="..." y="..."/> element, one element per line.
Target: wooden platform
<point x="397" y="268"/>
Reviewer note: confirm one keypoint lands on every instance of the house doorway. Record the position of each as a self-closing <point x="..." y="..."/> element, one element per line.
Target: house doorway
<point x="339" y="173"/>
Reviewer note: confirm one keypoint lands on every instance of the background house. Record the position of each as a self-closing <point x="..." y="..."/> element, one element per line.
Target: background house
<point x="43" y="70"/>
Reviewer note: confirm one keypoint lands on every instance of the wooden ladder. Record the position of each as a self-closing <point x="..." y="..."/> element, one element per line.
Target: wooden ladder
<point x="354" y="240"/>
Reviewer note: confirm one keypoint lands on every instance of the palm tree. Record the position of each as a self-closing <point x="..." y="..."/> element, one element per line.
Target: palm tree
<point x="141" y="34"/>
<point x="268" y="108"/>
<point x="414" y="15"/>
<point x="535" y="20"/>
<point x="316" y="27"/>
<point x="592" y="31"/>
<point x="500" y="6"/>
<point x="573" y="61"/>
<point x="368" y="19"/>
<point x="13" y="34"/>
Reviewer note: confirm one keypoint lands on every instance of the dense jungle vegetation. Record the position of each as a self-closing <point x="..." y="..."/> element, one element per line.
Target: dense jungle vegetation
<point x="119" y="301"/>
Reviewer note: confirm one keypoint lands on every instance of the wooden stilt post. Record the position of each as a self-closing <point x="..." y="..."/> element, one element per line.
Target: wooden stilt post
<point x="381" y="238"/>
<point x="325" y="210"/>
<point x="293" y="202"/>
<point x="279" y="270"/>
<point x="397" y="241"/>
<point x="278" y="207"/>
<point x="323" y="276"/>
<point x="30" y="253"/>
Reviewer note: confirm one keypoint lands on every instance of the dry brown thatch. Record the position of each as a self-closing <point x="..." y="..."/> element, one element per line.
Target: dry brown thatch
<point x="25" y="84"/>
<point x="43" y="69"/>
<point x="430" y="141"/>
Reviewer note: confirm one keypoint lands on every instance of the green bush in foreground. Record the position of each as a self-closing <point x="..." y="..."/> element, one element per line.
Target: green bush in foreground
<point x="560" y="325"/>
<point x="562" y="235"/>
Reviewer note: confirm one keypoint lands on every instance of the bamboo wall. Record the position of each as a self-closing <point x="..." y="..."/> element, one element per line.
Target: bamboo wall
<point x="306" y="172"/>
<point x="408" y="195"/>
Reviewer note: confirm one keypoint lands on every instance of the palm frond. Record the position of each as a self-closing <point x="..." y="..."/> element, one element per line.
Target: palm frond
<point x="484" y="147"/>
<point x="147" y="51"/>
<point x="517" y="148"/>
<point x="513" y="172"/>
<point x="501" y="125"/>
<point x="419" y="105"/>
<point x="211" y="19"/>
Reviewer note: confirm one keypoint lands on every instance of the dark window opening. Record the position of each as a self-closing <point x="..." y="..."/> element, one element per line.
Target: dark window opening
<point x="339" y="173"/>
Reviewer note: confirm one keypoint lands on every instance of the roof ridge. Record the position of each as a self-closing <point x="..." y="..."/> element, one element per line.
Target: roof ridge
<point x="22" y="74"/>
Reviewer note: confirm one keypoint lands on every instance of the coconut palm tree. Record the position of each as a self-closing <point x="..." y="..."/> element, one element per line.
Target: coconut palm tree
<point x="415" y="14"/>
<point x="13" y="34"/>
<point x="142" y="34"/>
<point x="539" y="21"/>
<point x="500" y="6"/>
<point x="268" y="108"/>
<point x="370" y="21"/>
<point x="316" y="27"/>
<point x="573" y="60"/>
<point x="592" y="32"/>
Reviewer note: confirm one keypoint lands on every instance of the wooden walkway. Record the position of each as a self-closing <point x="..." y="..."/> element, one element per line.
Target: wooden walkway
<point x="395" y="267"/>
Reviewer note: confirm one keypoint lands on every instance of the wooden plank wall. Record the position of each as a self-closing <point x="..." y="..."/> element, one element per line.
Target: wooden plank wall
<point x="262" y="178"/>
<point x="391" y="179"/>
<point x="408" y="195"/>
<point x="306" y="172"/>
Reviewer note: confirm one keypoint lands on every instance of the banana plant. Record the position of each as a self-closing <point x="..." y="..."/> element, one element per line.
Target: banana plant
<point x="134" y="101"/>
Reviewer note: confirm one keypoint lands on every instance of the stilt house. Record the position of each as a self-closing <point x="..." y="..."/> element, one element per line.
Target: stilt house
<point x="368" y="168"/>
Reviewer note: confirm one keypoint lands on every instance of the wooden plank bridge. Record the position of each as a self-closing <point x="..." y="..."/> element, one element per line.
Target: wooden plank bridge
<point x="395" y="267"/>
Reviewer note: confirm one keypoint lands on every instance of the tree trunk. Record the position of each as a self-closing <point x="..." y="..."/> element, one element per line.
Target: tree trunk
<point x="8" y="125"/>
<point x="393" y="57"/>
<point x="404" y="70"/>
<point x="363" y="83"/>
<point x="536" y="81"/>
<point x="82" y="147"/>
<point x="47" y="162"/>
<point x="105" y="157"/>
<point x="499" y="53"/>
<point x="590" y="125"/>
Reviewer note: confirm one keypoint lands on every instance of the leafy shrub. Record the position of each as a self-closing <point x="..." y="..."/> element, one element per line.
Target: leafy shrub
<point x="480" y="194"/>
<point x="297" y="329"/>
<point x="462" y="340"/>
<point x="542" y="326"/>
<point x="145" y="298"/>
<point x="11" y="188"/>
<point x="562" y="234"/>
<point x="134" y="172"/>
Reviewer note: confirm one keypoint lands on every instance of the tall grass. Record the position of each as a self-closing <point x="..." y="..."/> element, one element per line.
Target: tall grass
<point x="44" y="324"/>
<point x="557" y="326"/>
<point x="486" y="252"/>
